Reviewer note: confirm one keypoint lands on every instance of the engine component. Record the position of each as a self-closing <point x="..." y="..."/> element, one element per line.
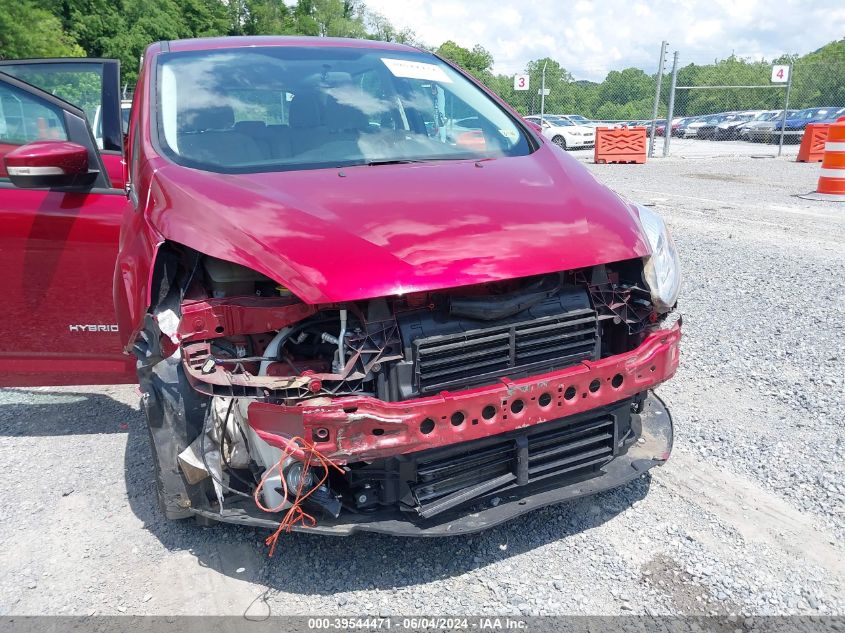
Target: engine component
<point x="226" y="279"/>
<point x="444" y="352"/>
<point x="434" y="481"/>
<point x="496" y="307"/>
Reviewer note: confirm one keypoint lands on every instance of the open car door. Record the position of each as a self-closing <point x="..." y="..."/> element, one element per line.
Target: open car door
<point x="59" y="236"/>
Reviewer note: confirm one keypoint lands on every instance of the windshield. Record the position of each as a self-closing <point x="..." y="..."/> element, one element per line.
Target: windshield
<point x="558" y="121"/>
<point x="814" y="113"/>
<point x="281" y="108"/>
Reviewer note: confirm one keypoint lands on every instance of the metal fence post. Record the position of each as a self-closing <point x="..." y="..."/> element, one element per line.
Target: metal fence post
<point x="543" y="94"/>
<point x="667" y="132"/>
<point x="785" y="108"/>
<point x="663" y="46"/>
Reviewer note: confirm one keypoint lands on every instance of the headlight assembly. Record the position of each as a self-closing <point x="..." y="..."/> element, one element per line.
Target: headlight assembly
<point x="662" y="269"/>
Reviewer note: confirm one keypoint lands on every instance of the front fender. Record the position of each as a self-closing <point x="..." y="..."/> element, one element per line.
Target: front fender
<point x="133" y="276"/>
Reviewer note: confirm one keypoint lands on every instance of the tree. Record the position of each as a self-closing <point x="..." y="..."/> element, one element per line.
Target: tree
<point x="27" y="30"/>
<point x="330" y="18"/>
<point x="208" y="18"/>
<point x="380" y="28"/>
<point x="478" y="61"/>
<point x="631" y="84"/>
<point x="144" y="21"/>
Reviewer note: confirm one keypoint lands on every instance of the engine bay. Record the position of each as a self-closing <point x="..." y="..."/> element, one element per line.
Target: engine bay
<point x="402" y="347"/>
<point x="283" y="384"/>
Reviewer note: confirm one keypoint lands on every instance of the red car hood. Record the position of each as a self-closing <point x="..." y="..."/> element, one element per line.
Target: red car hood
<point x="334" y="235"/>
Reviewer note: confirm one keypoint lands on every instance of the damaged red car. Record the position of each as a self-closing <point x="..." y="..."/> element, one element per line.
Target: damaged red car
<point x="358" y="292"/>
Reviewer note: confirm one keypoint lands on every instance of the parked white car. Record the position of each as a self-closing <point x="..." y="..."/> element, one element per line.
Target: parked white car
<point x="97" y="126"/>
<point x="565" y="133"/>
<point x="578" y="119"/>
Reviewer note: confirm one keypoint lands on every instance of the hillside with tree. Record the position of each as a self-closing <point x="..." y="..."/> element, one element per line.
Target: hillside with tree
<point x="123" y="28"/>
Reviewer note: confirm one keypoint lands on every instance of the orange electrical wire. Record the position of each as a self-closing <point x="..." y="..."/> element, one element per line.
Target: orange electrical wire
<point x="295" y="513"/>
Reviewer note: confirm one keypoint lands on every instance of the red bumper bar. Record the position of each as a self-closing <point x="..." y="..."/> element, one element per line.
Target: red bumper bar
<point x="363" y="428"/>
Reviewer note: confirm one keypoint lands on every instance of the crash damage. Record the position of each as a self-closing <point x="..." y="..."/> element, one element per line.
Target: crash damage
<point x="410" y="414"/>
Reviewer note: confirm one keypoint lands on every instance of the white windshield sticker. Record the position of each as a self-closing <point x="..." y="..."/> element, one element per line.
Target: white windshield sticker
<point x="416" y="70"/>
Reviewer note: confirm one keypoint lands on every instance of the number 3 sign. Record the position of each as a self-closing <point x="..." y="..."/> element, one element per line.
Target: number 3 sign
<point x="520" y="82"/>
<point x="780" y="74"/>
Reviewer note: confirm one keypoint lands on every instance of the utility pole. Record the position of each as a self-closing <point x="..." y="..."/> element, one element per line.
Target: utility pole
<point x="667" y="133"/>
<point x="543" y="94"/>
<point x="663" y="46"/>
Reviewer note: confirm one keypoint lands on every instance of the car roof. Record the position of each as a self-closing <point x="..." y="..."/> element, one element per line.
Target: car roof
<point x="212" y="43"/>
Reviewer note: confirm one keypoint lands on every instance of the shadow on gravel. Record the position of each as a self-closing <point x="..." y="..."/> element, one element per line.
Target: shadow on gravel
<point x="307" y="564"/>
<point x="69" y="413"/>
<point x="317" y="565"/>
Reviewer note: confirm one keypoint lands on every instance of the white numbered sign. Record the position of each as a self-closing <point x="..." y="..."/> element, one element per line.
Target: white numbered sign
<point x="780" y="74"/>
<point x="520" y="82"/>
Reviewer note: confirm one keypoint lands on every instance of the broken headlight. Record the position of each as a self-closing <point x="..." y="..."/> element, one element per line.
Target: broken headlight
<point x="662" y="269"/>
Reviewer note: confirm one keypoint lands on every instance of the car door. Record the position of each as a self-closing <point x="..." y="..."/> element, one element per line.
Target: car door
<point x="58" y="246"/>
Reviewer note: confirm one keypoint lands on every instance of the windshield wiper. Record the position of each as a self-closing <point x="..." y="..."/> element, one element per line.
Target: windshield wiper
<point x="393" y="161"/>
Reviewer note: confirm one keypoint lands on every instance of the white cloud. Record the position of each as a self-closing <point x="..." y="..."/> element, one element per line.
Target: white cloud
<point x="592" y="37"/>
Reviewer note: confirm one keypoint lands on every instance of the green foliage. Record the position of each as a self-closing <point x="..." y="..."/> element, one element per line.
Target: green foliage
<point x="478" y="61"/>
<point x="819" y="77"/>
<point x="379" y="28"/>
<point x="818" y="80"/>
<point x="123" y="28"/>
<point x="27" y="30"/>
<point x="78" y="86"/>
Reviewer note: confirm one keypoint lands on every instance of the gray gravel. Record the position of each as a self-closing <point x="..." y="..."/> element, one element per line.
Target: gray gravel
<point x="746" y="518"/>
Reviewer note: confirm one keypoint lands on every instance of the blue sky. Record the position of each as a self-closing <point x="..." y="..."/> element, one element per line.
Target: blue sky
<point x="591" y="38"/>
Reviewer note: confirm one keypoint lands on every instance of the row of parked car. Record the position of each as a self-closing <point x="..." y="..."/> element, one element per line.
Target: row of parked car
<point x="761" y="126"/>
<point x="573" y="131"/>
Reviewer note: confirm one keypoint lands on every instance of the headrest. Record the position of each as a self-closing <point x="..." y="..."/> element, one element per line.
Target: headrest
<point x="341" y="117"/>
<point x="305" y="110"/>
<point x="208" y="118"/>
<point x="251" y="128"/>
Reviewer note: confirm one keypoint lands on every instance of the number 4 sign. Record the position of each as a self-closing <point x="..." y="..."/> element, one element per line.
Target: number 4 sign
<point x="780" y="74"/>
<point x="520" y="82"/>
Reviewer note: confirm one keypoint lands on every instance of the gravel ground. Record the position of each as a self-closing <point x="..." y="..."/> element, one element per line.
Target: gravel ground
<point x="746" y="518"/>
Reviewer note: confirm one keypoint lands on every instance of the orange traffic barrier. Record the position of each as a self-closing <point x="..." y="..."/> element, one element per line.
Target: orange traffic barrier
<point x="832" y="177"/>
<point x="620" y="145"/>
<point x="812" y="145"/>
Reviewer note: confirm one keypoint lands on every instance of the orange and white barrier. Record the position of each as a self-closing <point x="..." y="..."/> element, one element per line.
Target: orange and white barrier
<point x="812" y="144"/>
<point x="831" y="185"/>
<point x="620" y="145"/>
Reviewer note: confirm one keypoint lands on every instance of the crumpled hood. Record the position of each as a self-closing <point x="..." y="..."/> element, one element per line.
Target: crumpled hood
<point x="334" y="235"/>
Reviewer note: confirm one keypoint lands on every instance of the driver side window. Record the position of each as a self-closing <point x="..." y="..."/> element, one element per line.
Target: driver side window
<point x="24" y="119"/>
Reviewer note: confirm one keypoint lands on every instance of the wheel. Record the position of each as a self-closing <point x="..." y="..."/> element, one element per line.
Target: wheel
<point x="559" y="141"/>
<point x="174" y="415"/>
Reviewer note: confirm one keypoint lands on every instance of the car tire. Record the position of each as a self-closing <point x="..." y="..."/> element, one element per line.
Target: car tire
<point x="559" y="141"/>
<point x="174" y="413"/>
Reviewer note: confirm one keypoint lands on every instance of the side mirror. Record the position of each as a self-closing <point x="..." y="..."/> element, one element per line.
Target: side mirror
<point x="48" y="164"/>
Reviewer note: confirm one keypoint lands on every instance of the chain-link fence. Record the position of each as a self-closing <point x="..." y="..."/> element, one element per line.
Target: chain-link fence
<point x="729" y="106"/>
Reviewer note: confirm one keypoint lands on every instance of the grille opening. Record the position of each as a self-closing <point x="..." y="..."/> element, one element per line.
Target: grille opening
<point x="457" y="353"/>
<point x="568" y="447"/>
